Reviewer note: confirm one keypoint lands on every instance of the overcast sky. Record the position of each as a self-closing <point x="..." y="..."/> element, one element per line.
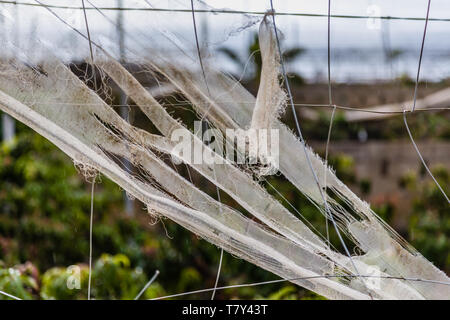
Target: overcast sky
<point x="224" y="29"/>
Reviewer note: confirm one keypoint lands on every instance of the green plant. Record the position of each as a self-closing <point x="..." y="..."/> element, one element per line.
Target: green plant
<point x="255" y="60"/>
<point x="429" y="227"/>
<point x="112" y="278"/>
<point x="56" y="283"/>
<point x="429" y="222"/>
<point x="20" y="281"/>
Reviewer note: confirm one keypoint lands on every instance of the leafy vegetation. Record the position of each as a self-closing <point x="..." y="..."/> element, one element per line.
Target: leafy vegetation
<point x="44" y="223"/>
<point x="254" y="63"/>
<point x="429" y="226"/>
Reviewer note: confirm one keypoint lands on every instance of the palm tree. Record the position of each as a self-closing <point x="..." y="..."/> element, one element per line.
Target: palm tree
<point x="255" y="62"/>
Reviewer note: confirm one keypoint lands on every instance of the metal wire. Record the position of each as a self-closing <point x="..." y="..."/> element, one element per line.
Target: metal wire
<point x="225" y="11"/>
<point x="219" y="268"/>
<point x="423" y="161"/>
<point x="9" y="295"/>
<point x="91" y="221"/>
<point x="302" y="278"/>
<point x="330" y="101"/>
<point x="414" y="106"/>
<point x="421" y="54"/>
<point x="307" y="105"/>
<point x="299" y="131"/>
<point x="147" y="285"/>
<point x="330" y="105"/>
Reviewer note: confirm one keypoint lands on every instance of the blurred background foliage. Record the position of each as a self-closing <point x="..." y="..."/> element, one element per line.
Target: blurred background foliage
<point x="429" y="227"/>
<point x="45" y="206"/>
<point x="44" y="224"/>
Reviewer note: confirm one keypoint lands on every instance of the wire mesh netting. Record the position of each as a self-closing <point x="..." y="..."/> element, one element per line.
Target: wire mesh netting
<point x="167" y="59"/>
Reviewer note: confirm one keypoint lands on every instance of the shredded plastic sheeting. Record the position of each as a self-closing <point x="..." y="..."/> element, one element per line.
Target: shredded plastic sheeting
<point x="46" y="92"/>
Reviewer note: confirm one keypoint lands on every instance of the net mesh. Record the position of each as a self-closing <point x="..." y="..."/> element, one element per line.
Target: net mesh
<point x="72" y="105"/>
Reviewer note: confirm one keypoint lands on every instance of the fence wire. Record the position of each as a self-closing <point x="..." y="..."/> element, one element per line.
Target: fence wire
<point x="330" y="105"/>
